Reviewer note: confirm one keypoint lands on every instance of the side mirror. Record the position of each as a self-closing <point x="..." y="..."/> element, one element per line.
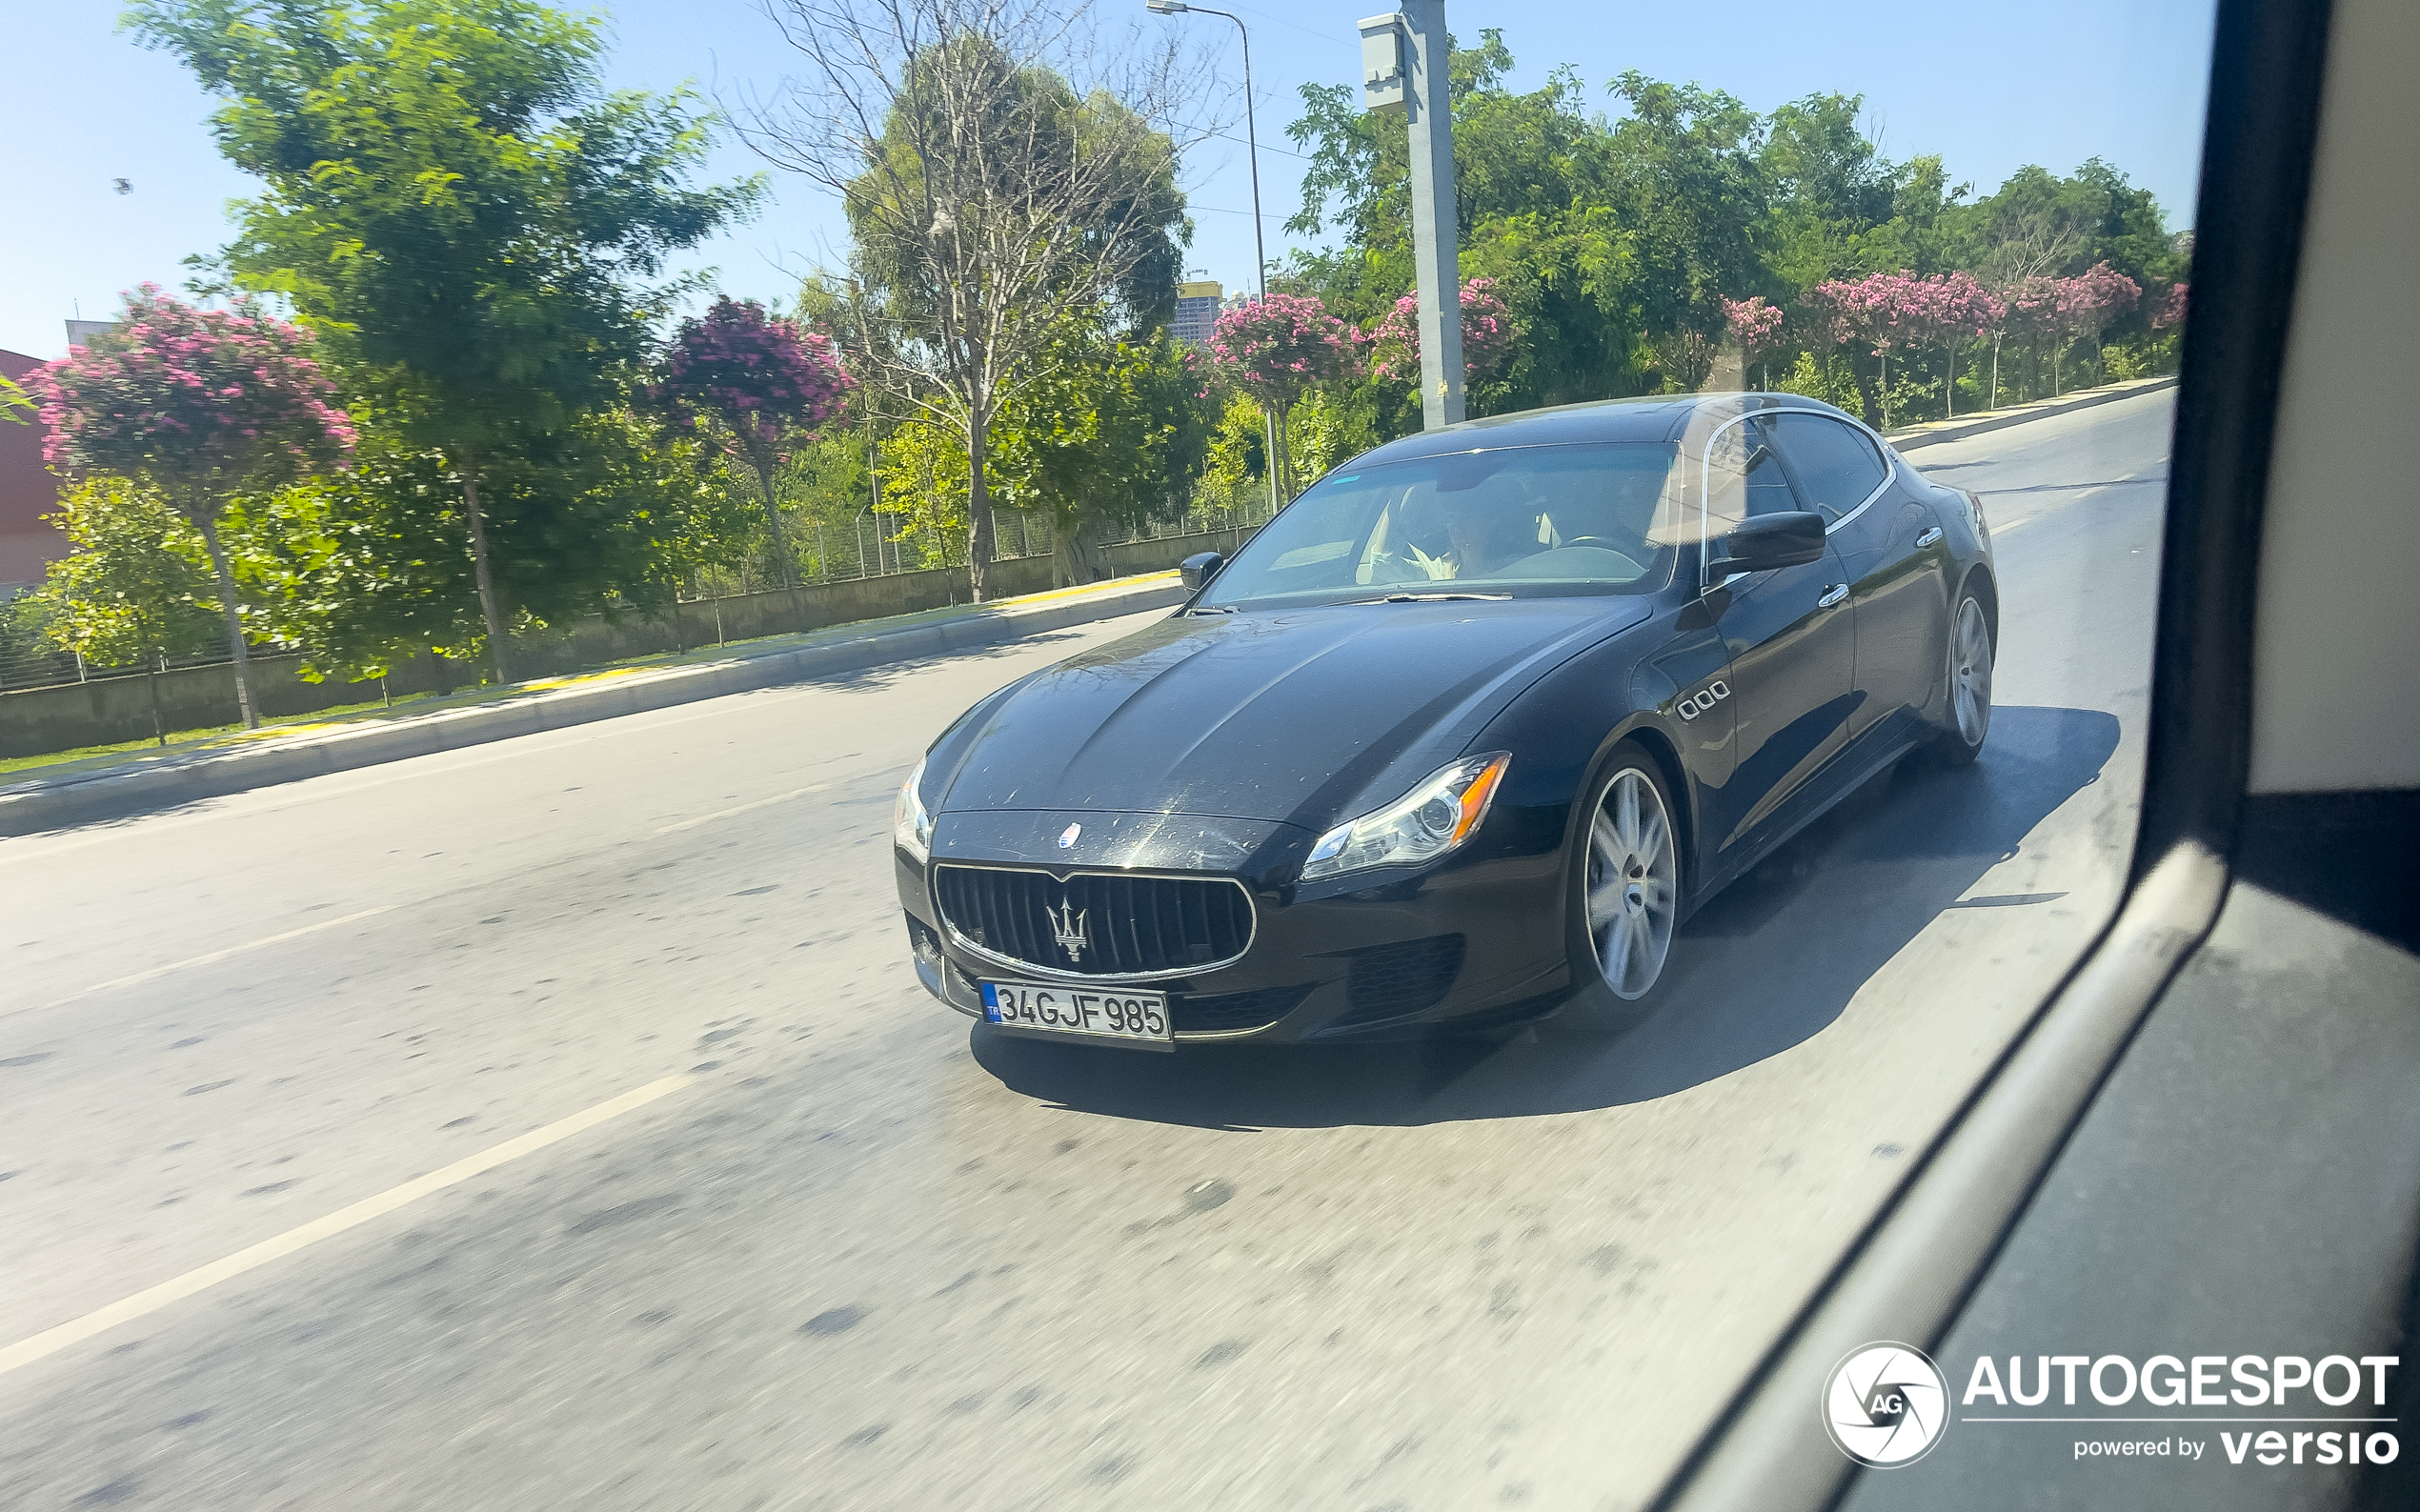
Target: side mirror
<point x="1201" y="567"/>
<point x="1765" y="541"/>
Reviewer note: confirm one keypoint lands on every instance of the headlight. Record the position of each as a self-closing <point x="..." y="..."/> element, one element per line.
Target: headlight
<point x="1424" y="825"/>
<point x="910" y="827"/>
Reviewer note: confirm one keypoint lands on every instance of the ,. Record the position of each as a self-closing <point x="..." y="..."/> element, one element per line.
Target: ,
<point x="1462" y="734"/>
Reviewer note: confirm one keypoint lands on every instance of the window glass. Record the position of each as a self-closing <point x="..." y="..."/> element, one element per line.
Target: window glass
<point x="1743" y="475"/>
<point x="1838" y="466"/>
<point x="1522" y="519"/>
<point x="1045" y="342"/>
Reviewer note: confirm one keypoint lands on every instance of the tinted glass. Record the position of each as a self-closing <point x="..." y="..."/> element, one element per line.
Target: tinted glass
<point x="1525" y="520"/>
<point x="1742" y="475"/>
<point x="1838" y="466"/>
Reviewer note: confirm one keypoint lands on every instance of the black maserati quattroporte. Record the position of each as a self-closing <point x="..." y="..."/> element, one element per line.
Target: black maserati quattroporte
<point x="1467" y="729"/>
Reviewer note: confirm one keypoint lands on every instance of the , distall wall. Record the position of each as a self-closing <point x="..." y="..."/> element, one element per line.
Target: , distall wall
<point x="107" y="711"/>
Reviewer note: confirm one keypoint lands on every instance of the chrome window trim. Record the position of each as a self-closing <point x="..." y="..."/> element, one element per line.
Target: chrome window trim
<point x="1706" y="469"/>
<point x="932" y="891"/>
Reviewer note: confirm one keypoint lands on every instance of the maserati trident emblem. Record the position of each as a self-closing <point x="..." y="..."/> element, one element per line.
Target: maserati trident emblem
<point x="1067" y="927"/>
<point x="1067" y="837"/>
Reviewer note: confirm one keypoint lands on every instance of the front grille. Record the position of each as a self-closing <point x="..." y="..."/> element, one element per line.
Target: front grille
<point x="1130" y="925"/>
<point x="1392" y="981"/>
<point x="1235" y="1010"/>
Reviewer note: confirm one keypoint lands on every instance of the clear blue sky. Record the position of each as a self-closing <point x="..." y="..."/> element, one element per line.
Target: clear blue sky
<point x="1991" y="88"/>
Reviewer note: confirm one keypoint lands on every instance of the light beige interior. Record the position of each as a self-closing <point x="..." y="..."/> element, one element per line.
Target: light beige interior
<point x="2336" y="679"/>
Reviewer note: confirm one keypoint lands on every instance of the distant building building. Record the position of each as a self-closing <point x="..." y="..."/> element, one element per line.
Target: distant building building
<point x="27" y="492"/>
<point x="1196" y="312"/>
<point x="81" y="332"/>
